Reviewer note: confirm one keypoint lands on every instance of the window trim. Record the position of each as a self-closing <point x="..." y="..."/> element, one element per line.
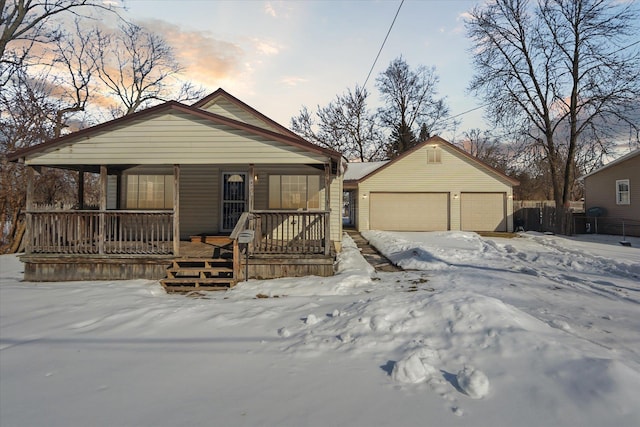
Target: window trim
<point x="620" y="200"/>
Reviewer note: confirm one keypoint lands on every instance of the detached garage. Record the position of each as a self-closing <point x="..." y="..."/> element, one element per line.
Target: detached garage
<point x="433" y="187"/>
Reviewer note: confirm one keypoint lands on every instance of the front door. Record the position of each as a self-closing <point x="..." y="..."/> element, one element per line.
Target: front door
<point x="234" y="198"/>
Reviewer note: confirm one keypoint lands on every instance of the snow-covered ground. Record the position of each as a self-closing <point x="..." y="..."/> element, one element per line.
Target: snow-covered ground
<point x="532" y="331"/>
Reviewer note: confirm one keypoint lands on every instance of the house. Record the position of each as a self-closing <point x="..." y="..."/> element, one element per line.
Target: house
<point x="176" y="176"/>
<point x="612" y="194"/>
<point x="434" y="186"/>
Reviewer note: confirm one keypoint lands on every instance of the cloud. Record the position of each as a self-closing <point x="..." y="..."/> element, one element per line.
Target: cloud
<point x="278" y="9"/>
<point x="205" y="58"/>
<point x="266" y="47"/>
<point x="293" y="80"/>
<point x="464" y="16"/>
<point x="270" y="10"/>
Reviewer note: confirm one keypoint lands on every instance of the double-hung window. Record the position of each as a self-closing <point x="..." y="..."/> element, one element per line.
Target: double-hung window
<point x="294" y="192"/>
<point x="622" y="192"/>
<point x="149" y="192"/>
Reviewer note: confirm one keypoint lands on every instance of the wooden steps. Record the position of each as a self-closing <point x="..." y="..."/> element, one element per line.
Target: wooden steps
<point x="204" y="274"/>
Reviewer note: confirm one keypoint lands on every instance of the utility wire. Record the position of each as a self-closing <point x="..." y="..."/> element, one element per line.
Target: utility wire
<point x="382" y="46"/>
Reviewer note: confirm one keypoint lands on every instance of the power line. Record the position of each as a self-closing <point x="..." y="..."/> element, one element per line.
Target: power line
<point x="468" y="111"/>
<point x="382" y="46"/>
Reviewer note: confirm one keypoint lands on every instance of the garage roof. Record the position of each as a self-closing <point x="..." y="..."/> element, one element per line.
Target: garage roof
<point x="361" y="171"/>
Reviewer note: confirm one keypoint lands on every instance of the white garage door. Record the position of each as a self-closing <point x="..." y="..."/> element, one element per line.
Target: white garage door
<point x="483" y="211"/>
<point x="409" y="211"/>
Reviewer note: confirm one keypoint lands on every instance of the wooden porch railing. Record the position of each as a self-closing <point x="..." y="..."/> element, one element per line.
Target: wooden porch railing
<point x="291" y="232"/>
<point x="86" y="232"/>
<point x="286" y="232"/>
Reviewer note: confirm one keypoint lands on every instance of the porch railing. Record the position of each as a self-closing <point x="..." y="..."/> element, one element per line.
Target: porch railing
<point x="287" y="232"/>
<point x="85" y="232"/>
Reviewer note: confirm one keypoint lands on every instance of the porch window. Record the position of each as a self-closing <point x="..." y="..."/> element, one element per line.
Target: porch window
<point x="622" y="192"/>
<point x="149" y="192"/>
<point x="294" y="192"/>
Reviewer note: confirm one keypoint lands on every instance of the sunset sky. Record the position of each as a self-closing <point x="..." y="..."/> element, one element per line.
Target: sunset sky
<point x="280" y="55"/>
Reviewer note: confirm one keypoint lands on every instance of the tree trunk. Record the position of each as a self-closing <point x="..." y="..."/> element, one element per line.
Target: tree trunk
<point x="17" y="239"/>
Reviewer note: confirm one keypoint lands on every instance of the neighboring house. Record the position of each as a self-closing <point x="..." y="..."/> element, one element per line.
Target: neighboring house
<point x="434" y="186"/>
<point x="174" y="174"/>
<point x="615" y="189"/>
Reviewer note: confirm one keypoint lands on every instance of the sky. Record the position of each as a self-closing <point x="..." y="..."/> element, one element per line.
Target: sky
<point x="280" y="55"/>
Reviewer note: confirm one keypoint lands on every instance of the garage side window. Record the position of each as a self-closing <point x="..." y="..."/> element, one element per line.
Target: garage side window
<point x="622" y="192"/>
<point x="433" y="155"/>
<point x="149" y="192"/>
<point x="294" y="192"/>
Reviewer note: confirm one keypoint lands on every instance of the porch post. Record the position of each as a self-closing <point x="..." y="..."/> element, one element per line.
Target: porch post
<point x="29" y="207"/>
<point x="176" y="210"/>
<point x="119" y="190"/>
<point x="327" y="207"/>
<point x="80" y="189"/>
<point x="252" y="172"/>
<point x="103" y="208"/>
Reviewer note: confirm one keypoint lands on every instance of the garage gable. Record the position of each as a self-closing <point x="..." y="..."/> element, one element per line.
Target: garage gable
<point x="434" y="164"/>
<point x="435" y="186"/>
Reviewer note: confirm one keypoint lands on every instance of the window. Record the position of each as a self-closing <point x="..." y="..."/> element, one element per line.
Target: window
<point x="294" y="192"/>
<point x="149" y="192"/>
<point x="622" y="192"/>
<point x="433" y="155"/>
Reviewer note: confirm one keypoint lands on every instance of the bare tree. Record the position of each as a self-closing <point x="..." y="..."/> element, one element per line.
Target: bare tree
<point x="29" y="22"/>
<point x="562" y="72"/>
<point x="139" y="68"/>
<point x="25" y="120"/>
<point x="410" y="98"/>
<point x="76" y="73"/>
<point x="488" y="148"/>
<point x="344" y="125"/>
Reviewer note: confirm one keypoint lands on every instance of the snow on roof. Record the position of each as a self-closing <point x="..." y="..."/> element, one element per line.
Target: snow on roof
<point x="359" y="170"/>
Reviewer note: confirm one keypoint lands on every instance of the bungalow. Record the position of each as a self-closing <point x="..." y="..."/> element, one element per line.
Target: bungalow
<point x="612" y="195"/>
<point x="179" y="186"/>
<point x="434" y="186"/>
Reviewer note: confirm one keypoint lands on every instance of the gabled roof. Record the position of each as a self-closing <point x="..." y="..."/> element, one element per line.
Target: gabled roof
<point x="290" y="138"/>
<point x="207" y="100"/>
<point x="433" y="140"/>
<point x="613" y="163"/>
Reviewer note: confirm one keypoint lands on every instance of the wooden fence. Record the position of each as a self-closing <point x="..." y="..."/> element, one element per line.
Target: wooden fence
<point x="543" y="216"/>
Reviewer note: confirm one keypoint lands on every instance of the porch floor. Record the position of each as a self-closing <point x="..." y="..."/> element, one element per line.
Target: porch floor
<point x="206" y="250"/>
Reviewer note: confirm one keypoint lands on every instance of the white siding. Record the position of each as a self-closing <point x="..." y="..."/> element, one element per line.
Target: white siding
<point x="226" y="108"/>
<point x="172" y="138"/>
<point x="336" y="209"/>
<point x="454" y="174"/>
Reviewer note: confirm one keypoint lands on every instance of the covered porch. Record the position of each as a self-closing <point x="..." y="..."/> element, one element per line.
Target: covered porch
<point x="109" y="242"/>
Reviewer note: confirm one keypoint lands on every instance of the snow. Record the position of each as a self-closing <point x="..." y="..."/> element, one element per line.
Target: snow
<point x="473" y="382"/>
<point x="358" y="170"/>
<point x="528" y="331"/>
